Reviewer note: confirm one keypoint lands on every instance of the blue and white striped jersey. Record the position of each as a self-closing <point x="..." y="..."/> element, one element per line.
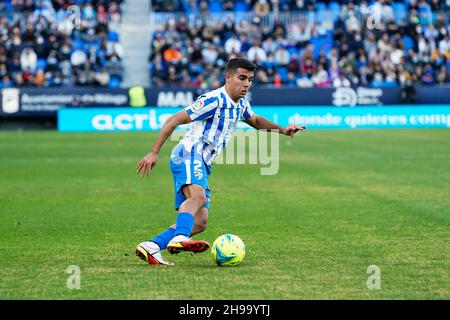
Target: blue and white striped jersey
<point x="214" y="118"/>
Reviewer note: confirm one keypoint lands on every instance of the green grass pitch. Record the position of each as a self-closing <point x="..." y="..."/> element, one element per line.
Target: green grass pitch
<point x="341" y="201"/>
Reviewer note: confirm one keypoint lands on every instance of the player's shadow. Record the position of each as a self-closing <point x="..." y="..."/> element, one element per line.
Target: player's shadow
<point x="184" y="260"/>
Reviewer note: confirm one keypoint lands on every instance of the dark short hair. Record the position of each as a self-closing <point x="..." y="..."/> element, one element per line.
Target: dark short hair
<point x="236" y="63"/>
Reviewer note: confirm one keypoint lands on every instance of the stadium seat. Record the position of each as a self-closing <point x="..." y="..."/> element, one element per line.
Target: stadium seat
<point x="77" y="44"/>
<point x="320" y="6"/>
<point x="322" y="43"/>
<point x="114" y="82"/>
<point x="283" y="73"/>
<point x="240" y="7"/>
<point x="323" y="14"/>
<point x="334" y="10"/>
<point x="215" y="6"/>
<point x="292" y="50"/>
<point x="113" y="36"/>
<point x="376" y="84"/>
<point x="8" y="7"/>
<point x="389" y="84"/>
<point x="408" y="41"/>
<point x="41" y="64"/>
<point x="269" y="64"/>
<point x="334" y="6"/>
<point x="400" y="11"/>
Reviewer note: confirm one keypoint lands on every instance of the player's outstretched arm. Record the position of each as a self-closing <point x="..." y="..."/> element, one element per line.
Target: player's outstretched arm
<point x="262" y="123"/>
<point x="149" y="161"/>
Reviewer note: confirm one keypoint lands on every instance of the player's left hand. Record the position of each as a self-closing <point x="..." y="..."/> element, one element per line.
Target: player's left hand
<point x="292" y="129"/>
<point x="146" y="165"/>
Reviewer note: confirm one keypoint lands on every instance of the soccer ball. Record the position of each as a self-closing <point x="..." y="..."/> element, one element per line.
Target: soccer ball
<point x="228" y="250"/>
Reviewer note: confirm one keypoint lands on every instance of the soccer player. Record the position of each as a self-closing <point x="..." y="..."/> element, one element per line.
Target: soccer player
<point x="214" y="117"/>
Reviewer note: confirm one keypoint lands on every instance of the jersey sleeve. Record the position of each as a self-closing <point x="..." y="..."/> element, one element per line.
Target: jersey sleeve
<point x="203" y="108"/>
<point x="248" y="112"/>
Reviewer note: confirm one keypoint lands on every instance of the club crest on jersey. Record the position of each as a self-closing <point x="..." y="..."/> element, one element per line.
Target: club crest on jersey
<point x="198" y="105"/>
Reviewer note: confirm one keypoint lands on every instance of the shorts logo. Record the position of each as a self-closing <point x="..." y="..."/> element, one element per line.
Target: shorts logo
<point x="198" y="105"/>
<point x="198" y="173"/>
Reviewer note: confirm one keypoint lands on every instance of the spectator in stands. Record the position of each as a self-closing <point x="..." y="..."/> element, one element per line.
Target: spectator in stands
<point x="262" y="8"/>
<point x="186" y="81"/>
<point x="301" y="34"/>
<point x="261" y="77"/>
<point x="232" y="45"/>
<point x="277" y="81"/>
<point x="282" y="56"/>
<point x="114" y="12"/>
<point x="227" y="5"/>
<point x="15" y="67"/>
<point x="444" y="46"/>
<point x="304" y="82"/>
<point x="256" y="53"/>
<point x="78" y="58"/>
<point x="39" y="78"/>
<point x="41" y="43"/>
<point x="320" y="78"/>
<point x="293" y="65"/>
<point x="396" y="54"/>
<point x="443" y="75"/>
<point x="411" y="43"/>
<point x="3" y="70"/>
<point x="102" y="15"/>
<point x="101" y="78"/>
<point x="6" y="82"/>
<point x="269" y="45"/>
<point x="428" y="74"/>
<point x="28" y="60"/>
<point x="209" y="53"/>
<point x="341" y="81"/>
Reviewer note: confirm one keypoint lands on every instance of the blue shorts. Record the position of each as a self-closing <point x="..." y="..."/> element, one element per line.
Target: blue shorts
<point x="187" y="168"/>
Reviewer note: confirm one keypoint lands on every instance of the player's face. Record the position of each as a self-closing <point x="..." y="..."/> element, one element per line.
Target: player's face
<point x="239" y="82"/>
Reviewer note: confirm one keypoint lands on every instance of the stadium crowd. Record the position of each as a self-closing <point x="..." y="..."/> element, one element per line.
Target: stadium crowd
<point x="339" y="43"/>
<point x="60" y="42"/>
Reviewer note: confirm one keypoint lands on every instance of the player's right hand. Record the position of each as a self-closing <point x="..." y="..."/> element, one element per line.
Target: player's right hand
<point x="146" y="164"/>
